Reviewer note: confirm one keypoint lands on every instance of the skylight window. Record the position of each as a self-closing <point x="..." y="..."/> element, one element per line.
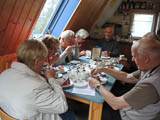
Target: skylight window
<point x="44" y="18"/>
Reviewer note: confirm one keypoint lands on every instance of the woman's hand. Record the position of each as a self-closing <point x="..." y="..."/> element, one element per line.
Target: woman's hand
<point x="55" y="57"/>
<point x="50" y="73"/>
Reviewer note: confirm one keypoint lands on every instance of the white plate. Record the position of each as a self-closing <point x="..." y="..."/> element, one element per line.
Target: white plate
<point x="117" y="68"/>
<point x="103" y="79"/>
<point x="88" y="57"/>
<point x="80" y="84"/>
<point x="75" y="62"/>
<point x="105" y="57"/>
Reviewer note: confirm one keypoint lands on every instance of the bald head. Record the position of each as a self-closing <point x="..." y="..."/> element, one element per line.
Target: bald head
<point x="147" y="50"/>
<point x="151" y="35"/>
<point x="147" y="46"/>
<point x="150" y="43"/>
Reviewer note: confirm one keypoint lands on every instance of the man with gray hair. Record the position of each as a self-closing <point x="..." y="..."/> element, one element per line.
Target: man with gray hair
<point x="68" y="49"/>
<point x="142" y="102"/>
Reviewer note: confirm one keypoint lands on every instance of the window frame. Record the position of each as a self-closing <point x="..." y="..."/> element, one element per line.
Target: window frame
<point x="59" y="12"/>
<point x="54" y="16"/>
<point x="142" y="12"/>
<point x="57" y="23"/>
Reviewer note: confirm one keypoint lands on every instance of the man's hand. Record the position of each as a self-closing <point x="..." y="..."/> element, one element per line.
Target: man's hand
<point x="106" y="53"/>
<point x="68" y="49"/>
<point x="83" y="52"/>
<point x="97" y="70"/>
<point x="93" y="82"/>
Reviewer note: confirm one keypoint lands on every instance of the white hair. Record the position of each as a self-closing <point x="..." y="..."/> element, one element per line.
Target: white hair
<point x="67" y="34"/>
<point x="82" y="33"/>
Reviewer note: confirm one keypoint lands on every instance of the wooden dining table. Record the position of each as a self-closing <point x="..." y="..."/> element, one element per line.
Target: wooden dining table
<point x="95" y="102"/>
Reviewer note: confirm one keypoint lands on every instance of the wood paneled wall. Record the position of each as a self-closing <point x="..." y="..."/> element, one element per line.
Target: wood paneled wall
<point x="17" y="18"/>
<point x="86" y="14"/>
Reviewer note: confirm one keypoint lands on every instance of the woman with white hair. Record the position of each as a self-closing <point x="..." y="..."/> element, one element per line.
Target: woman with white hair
<point x="25" y="94"/>
<point x="81" y="35"/>
<point x="69" y="48"/>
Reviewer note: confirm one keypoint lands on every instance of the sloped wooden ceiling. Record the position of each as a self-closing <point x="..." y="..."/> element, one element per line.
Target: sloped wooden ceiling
<point x="86" y="14"/>
<point x="17" y="18"/>
<point x="16" y="21"/>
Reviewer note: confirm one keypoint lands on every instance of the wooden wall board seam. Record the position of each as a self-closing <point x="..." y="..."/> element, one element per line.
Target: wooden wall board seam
<point x="12" y="43"/>
<point x="15" y="18"/>
<point x="6" y="26"/>
<point x="20" y="33"/>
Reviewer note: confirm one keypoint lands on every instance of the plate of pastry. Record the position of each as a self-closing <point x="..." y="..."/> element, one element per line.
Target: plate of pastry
<point x="100" y="77"/>
<point x="67" y="83"/>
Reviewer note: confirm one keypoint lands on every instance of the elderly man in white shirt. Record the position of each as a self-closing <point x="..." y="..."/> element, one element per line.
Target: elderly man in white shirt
<point x="69" y="48"/>
<point x="24" y="94"/>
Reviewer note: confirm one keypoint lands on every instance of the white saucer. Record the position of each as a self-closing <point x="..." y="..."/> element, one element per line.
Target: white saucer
<point x="75" y="62"/>
<point x="105" y="57"/>
<point x="80" y="84"/>
<point x="103" y="79"/>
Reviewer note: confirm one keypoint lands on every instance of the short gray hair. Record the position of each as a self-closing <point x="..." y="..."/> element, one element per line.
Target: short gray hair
<point x="82" y="33"/>
<point x="67" y="34"/>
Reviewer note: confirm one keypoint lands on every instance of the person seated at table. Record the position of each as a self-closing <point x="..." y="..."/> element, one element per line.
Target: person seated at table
<point x="52" y="44"/>
<point x="142" y="102"/>
<point x="109" y="45"/>
<point x="24" y="94"/>
<point x="68" y="49"/>
<point x="81" y="35"/>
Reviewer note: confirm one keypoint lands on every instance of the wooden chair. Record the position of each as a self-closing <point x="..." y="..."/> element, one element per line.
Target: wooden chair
<point x="6" y="60"/>
<point x="5" y="116"/>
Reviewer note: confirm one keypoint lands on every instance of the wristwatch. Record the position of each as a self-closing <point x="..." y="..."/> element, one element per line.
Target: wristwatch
<point x="98" y="86"/>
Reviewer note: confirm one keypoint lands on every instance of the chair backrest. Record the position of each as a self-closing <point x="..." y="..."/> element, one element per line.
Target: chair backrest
<point x="5" y="116"/>
<point x="6" y="60"/>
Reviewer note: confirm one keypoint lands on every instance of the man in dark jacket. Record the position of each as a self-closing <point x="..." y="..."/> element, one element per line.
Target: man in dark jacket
<point x="109" y="46"/>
